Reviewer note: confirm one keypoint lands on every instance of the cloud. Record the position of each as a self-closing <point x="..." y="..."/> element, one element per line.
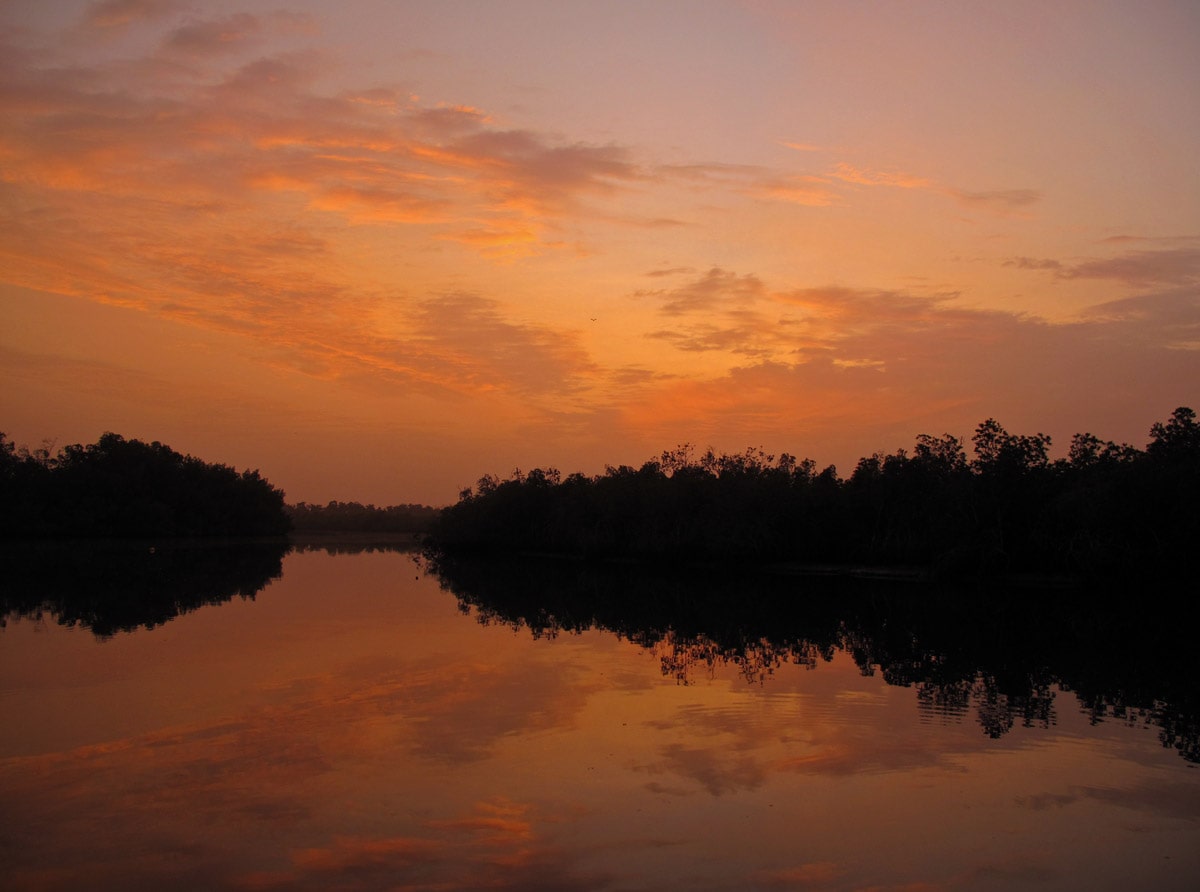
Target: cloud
<point x="811" y="191"/>
<point x="1150" y="267"/>
<point x="168" y="197"/>
<point x="672" y="271"/>
<point x="719" y="311"/>
<point x="1033" y="263"/>
<point x="724" y="311"/>
<point x="1172" y="266"/>
<point x="706" y="173"/>
<point x="717" y="289"/>
<point x="1165" y="317"/>
<point x="166" y="193"/>
<point x="119" y="13"/>
<point x="115" y="134"/>
<point x="836" y="185"/>
<point x="819" y="362"/>
<point x="214" y="36"/>
<point x="802" y="147"/>
<point x="999" y="200"/>
<point x="850" y="174"/>
<point x="464" y="338"/>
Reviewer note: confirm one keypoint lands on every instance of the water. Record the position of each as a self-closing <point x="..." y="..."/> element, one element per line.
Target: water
<point x="352" y="725"/>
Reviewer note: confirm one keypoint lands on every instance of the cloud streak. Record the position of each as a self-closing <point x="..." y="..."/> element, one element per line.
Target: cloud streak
<point x="813" y="358"/>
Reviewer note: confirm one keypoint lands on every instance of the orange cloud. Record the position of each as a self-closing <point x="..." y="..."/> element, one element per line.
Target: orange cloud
<point x="863" y="177"/>
<point x="214" y="36"/>
<point x="119" y="132"/>
<point x="1173" y="266"/>
<point x="165" y="194"/>
<point x="878" y="362"/>
<point x="1178" y="265"/>
<point x="119" y="13"/>
<point x="800" y="189"/>
<point x="1000" y="201"/>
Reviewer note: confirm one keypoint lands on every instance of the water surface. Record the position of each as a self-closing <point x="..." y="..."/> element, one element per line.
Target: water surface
<point x="353" y="725"/>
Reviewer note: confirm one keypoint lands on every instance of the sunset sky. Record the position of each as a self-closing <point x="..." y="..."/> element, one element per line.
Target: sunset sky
<point x="378" y="249"/>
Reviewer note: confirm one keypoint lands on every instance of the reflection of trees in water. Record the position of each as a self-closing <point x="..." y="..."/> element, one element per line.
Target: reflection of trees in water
<point x="1000" y="654"/>
<point x="353" y="543"/>
<point x="111" y="587"/>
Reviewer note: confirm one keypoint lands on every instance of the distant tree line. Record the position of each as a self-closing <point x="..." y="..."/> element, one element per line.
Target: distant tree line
<point x="126" y="489"/>
<point x="1106" y="506"/>
<point x="355" y="517"/>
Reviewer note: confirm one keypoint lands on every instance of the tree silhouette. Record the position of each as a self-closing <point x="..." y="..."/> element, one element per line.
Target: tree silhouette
<point x="1105" y="508"/>
<point x="128" y="488"/>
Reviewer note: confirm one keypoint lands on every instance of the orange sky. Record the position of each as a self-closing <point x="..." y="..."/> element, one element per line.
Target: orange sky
<point x="379" y="249"/>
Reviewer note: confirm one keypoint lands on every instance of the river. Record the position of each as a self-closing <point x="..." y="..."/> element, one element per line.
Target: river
<point x="353" y="721"/>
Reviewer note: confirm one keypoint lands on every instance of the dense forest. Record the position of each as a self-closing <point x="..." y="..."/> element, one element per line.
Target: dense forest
<point x="1105" y="507"/>
<point x="358" y="518"/>
<point x="129" y="489"/>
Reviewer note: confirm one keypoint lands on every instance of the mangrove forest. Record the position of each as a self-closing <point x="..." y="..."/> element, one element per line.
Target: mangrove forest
<point x="1104" y="508"/>
<point x="123" y="488"/>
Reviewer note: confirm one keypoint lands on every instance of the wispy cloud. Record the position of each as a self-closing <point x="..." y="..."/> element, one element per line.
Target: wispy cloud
<point x="166" y="194"/>
<point x="803" y="189"/>
<point x="814" y="358"/>
<point x="215" y="36"/>
<point x="717" y="289"/>
<point x="119" y="13"/>
<point x="1000" y="200"/>
<point x="1034" y="263"/>
<point x="863" y="177"/>
<point x="261" y="129"/>
<point x="1159" y="266"/>
<point x="802" y="146"/>
<point x="1175" y="266"/>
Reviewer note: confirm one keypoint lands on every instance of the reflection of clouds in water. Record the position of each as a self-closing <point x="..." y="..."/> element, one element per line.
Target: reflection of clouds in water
<point x="500" y="844"/>
<point x="1162" y="799"/>
<point x="460" y="716"/>
<point x="815" y="875"/>
<point x="223" y="786"/>
<point x="835" y="733"/>
<point x="716" y="769"/>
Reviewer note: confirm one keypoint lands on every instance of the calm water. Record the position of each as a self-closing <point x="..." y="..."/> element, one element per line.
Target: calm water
<point x="353" y="725"/>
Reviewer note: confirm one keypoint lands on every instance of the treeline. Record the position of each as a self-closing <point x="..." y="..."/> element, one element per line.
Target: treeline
<point x="355" y="517"/>
<point x="1104" y="507"/>
<point x="130" y="489"/>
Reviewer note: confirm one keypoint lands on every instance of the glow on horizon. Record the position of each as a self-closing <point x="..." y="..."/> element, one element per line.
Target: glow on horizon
<point x="380" y="252"/>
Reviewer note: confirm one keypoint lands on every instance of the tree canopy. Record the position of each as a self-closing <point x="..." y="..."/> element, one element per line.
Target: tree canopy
<point x="127" y="488"/>
<point x="1105" y="506"/>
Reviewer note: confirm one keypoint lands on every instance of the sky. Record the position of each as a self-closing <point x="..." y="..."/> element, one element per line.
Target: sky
<point x="377" y="250"/>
